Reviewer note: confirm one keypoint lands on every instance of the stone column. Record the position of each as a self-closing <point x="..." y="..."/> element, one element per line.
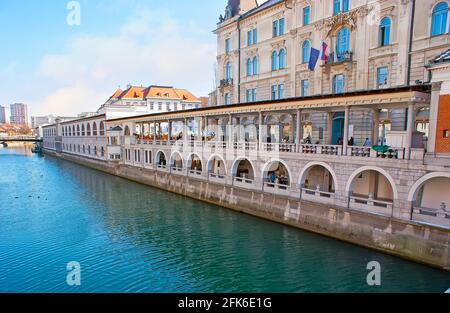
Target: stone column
<point x="169" y="125"/>
<point x="292" y="129"/>
<point x="410" y="128"/>
<point x="298" y="130"/>
<point x="330" y="128"/>
<point x="230" y="131"/>
<point x="376" y="126"/>
<point x="185" y="134"/>
<point x="434" y="110"/>
<point x="154" y="132"/>
<point x="346" y="123"/>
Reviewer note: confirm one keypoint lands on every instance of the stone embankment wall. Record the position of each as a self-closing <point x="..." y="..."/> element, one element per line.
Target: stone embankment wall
<point x="425" y="244"/>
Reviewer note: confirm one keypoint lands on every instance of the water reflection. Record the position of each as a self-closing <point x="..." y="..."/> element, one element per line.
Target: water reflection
<point x="133" y="238"/>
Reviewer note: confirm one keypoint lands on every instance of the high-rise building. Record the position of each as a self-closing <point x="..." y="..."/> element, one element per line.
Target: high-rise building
<point x="3" y="115"/>
<point x="19" y="114"/>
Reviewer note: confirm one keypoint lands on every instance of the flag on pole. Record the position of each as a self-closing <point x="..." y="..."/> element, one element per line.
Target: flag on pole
<point x="323" y="52"/>
<point x="313" y="58"/>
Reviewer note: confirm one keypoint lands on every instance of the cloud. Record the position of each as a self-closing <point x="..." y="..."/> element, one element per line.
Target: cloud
<point x="152" y="48"/>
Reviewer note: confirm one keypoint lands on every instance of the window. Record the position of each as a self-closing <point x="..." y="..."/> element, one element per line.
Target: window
<point x="338" y="83"/>
<point x="440" y="19"/>
<point x="382" y="77"/>
<point x="281" y="25"/>
<point x="275" y="28"/>
<point x="306" y="15"/>
<point x="343" y="42"/>
<point x="274" y="92"/>
<point x="385" y="32"/>
<point x="227" y="99"/>
<point x="227" y="45"/>
<point x="281" y="91"/>
<point x="305" y="88"/>
<point x="340" y="6"/>
<point x="252" y="37"/>
<point x="306" y="51"/>
<point x="249" y="67"/>
<point x="278" y="27"/>
<point x="228" y="71"/>
<point x="159" y="106"/>
<point x="251" y="95"/>
<point x="282" y="57"/>
<point x="152" y="106"/>
<point x="255" y="65"/>
<point x="274" y="61"/>
<point x="446" y="133"/>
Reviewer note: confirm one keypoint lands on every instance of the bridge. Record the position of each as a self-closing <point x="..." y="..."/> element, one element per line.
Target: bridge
<point x="5" y="140"/>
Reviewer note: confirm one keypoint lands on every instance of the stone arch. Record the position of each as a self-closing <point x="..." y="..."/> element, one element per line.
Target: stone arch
<point x="422" y="181"/>
<point x="235" y="168"/>
<point x="363" y="169"/>
<point x="266" y="170"/>
<point x="210" y="164"/>
<point x="191" y="165"/>
<point x="173" y="159"/>
<point x="305" y="171"/>
<point x="160" y="158"/>
<point x="88" y="130"/>
<point x="94" y="129"/>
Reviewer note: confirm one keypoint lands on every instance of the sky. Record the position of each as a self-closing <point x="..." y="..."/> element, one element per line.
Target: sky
<point x="64" y="69"/>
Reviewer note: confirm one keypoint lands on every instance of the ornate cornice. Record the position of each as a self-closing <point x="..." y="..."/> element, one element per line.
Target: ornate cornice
<point x="349" y="19"/>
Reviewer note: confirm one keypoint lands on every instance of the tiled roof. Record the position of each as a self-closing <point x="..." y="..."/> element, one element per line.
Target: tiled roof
<point x="442" y="58"/>
<point x="133" y="93"/>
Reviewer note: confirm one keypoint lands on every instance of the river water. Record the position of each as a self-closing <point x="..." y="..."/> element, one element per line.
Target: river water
<point x="129" y="237"/>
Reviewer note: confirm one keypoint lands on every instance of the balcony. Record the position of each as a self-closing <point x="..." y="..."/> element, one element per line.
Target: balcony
<point x="339" y="58"/>
<point x="226" y="83"/>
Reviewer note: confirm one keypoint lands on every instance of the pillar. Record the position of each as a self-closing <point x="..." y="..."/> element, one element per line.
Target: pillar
<point x="169" y="123"/>
<point x="376" y="126"/>
<point x="330" y="128"/>
<point x="230" y="131"/>
<point x="185" y="134"/>
<point x="292" y="129"/>
<point x="261" y="128"/>
<point x="346" y="123"/>
<point x="434" y="110"/>
<point x="298" y="130"/>
<point x="410" y="128"/>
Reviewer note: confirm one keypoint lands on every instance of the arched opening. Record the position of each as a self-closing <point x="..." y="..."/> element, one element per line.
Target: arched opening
<point x="276" y="175"/>
<point x="78" y="131"/>
<point x="243" y="171"/>
<point x="216" y="167"/>
<point x="94" y="129"/>
<point x="373" y="189"/>
<point x="318" y="179"/>
<point x="88" y="131"/>
<point x="338" y="128"/>
<point x="430" y="199"/>
<point x="176" y="162"/>
<point x="161" y="161"/>
<point x="127" y="131"/>
<point x="102" y="129"/>
<point x="83" y="130"/>
<point x="195" y="164"/>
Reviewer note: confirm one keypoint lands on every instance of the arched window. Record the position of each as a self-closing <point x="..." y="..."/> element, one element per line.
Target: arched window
<point x="440" y="19"/>
<point x="343" y="41"/>
<point x="88" y="130"/>
<point x="385" y="32"/>
<point x="228" y="71"/>
<point x="102" y="129"/>
<point x="73" y="130"/>
<point x="306" y="51"/>
<point x="255" y="65"/>
<point x="94" y="129"/>
<point x="249" y="67"/>
<point x="78" y="131"/>
<point x="83" y="130"/>
<point x="127" y="131"/>
<point x="282" y="57"/>
<point x="274" y="61"/>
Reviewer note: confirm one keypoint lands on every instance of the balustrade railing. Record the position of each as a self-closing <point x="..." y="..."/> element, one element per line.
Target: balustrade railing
<point x="317" y="193"/>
